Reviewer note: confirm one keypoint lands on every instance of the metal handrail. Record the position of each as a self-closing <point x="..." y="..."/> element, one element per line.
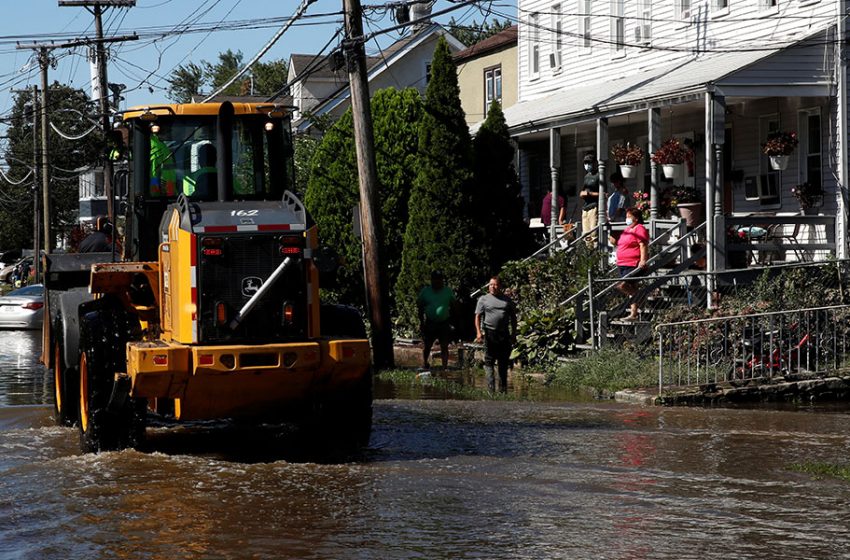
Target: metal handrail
<point x="664" y="252"/>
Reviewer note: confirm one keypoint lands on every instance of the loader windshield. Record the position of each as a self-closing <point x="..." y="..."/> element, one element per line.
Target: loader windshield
<point x="184" y="156"/>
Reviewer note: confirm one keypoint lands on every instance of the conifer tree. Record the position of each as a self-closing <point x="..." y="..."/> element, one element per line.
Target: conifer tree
<point x="440" y="233"/>
<point x="499" y="201"/>
<point x="333" y="190"/>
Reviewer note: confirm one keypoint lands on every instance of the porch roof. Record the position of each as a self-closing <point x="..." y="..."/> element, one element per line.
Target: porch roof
<point x="756" y="73"/>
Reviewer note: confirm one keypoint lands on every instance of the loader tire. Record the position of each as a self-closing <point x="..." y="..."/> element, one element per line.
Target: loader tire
<point x="104" y="331"/>
<point x="65" y="383"/>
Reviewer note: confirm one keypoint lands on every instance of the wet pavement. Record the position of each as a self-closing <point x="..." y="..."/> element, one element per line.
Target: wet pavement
<point x="442" y="478"/>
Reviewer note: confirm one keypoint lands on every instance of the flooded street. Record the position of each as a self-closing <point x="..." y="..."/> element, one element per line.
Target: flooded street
<point x="441" y="479"/>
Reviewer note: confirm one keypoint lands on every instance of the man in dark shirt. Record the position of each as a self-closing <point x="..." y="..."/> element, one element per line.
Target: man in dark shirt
<point x="590" y="198"/>
<point x="100" y="240"/>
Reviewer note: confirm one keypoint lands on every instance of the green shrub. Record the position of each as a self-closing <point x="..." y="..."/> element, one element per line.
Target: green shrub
<point x="609" y="369"/>
<point x="543" y="335"/>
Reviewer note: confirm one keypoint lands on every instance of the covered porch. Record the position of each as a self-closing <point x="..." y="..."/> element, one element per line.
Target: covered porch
<point x="722" y="107"/>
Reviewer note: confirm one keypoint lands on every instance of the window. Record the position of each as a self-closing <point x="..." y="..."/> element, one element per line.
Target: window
<point x="557" y="38"/>
<point x="533" y="46"/>
<point x="809" y="125"/>
<point x="721" y="4"/>
<point x="766" y="188"/>
<point x="643" y="29"/>
<point x="683" y="9"/>
<point x="768" y="4"/>
<point x="492" y="86"/>
<point x="618" y="27"/>
<point x="584" y="13"/>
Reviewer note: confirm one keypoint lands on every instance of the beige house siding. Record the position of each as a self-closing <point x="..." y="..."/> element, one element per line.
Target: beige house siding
<point x="471" y="81"/>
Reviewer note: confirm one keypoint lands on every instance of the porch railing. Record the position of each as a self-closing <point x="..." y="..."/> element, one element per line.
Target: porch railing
<point x="758" y="239"/>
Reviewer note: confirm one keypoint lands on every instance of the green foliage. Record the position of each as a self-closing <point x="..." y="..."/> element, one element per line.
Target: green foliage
<point x="186" y="82"/>
<point x="820" y="470"/>
<point x="333" y="191"/>
<point x="609" y="369"/>
<point x="192" y="79"/>
<point x="543" y="335"/>
<point x="217" y="74"/>
<point x="469" y="34"/>
<point x="71" y="112"/>
<point x="498" y="203"/>
<point x="544" y="283"/>
<point x="441" y="232"/>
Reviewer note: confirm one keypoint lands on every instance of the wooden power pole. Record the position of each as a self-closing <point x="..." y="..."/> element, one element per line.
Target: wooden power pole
<point x="103" y="98"/>
<point x="370" y="219"/>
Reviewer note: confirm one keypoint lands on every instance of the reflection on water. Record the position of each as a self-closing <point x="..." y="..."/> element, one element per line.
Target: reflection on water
<point x="22" y="379"/>
<point x="441" y="479"/>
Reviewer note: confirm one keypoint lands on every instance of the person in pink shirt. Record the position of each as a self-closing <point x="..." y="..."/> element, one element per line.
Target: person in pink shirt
<point x="632" y="254"/>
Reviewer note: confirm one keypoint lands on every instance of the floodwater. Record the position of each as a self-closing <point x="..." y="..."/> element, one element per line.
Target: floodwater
<point x="441" y="479"/>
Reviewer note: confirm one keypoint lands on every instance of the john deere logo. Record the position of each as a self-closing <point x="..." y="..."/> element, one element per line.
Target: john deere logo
<point x="250" y="285"/>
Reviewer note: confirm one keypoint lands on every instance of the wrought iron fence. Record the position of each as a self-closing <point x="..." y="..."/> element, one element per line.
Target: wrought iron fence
<point x="739" y="349"/>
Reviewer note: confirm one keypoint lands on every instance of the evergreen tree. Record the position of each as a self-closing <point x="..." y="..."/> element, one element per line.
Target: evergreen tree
<point x="440" y="233"/>
<point x="70" y="111"/>
<point x="333" y="188"/>
<point x="499" y="203"/>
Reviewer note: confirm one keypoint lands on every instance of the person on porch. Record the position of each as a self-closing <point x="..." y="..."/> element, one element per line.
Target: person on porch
<point x="618" y="199"/>
<point x="589" y="196"/>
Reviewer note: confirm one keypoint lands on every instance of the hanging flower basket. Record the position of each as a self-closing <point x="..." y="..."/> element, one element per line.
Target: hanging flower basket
<point x="780" y="143"/>
<point x="628" y="171"/>
<point x="671" y="156"/>
<point x="672" y="170"/>
<point x="779" y="163"/>
<point x="627" y="154"/>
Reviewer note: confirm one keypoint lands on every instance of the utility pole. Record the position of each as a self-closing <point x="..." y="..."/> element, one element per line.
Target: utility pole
<point x="374" y="272"/>
<point x="44" y="61"/>
<point x="36" y="262"/>
<point x="103" y="100"/>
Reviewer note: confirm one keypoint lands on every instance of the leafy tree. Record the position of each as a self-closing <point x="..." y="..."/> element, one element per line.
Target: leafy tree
<point x="269" y="77"/>
<point x="499" y="203"/>
<point x="71" y="112"/>
<point x="192" y="79"/>
<point x="333" y="188"/>
<point x="187" y="81"/>
<point x="476" y="32"/>
<point x="228" y="65"/>
<point x="440" y="232"/>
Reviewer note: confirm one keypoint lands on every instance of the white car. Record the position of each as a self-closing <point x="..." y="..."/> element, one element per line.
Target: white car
<point x="22" y="308"/>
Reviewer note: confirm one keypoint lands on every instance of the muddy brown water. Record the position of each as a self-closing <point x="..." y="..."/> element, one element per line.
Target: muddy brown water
<point x="441" y="479"/>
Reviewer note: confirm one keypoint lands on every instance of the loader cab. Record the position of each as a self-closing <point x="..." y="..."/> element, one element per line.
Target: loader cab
<point x="207" y="152"/>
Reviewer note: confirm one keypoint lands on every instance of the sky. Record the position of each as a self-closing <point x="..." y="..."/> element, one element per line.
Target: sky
<point x="175" y="32"/>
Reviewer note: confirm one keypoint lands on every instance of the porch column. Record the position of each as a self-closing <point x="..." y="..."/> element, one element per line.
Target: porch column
<point x="715" y="128"/>
<point x="555" y="167"/>
<point x="654" y="121"/>
<point x="841" y="214"/>
<point x="602" y="156"/>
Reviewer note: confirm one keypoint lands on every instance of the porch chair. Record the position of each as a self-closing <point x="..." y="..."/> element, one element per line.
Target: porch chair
<point x="786" y="235"/>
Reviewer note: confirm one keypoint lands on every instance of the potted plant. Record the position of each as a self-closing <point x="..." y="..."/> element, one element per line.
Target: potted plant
<point x="778" y="148"/>
<point x="689" y="202"/>
<point x="671" y="155"/>
<point x="808" y="195"/>
<point x="628" y="156"/>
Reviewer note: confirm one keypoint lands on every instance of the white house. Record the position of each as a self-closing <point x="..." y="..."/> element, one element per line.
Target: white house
<point x="721" y="73"/>
<point x="323" y="90"/>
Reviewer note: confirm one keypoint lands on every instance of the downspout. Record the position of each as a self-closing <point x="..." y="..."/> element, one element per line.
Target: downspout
<point x="841" y="79"/>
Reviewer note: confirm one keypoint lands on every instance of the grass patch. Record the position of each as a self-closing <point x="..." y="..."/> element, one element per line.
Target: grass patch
<point x="608" y="370"/>
<point x="821" y="470"/>
<point x="455" y="384"/>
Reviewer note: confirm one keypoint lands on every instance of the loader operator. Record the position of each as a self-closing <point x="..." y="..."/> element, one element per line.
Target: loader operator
<point x="202" y="183"/>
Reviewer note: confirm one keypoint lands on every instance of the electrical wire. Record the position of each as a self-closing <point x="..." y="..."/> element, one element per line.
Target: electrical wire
<point x="301" y="9"/>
